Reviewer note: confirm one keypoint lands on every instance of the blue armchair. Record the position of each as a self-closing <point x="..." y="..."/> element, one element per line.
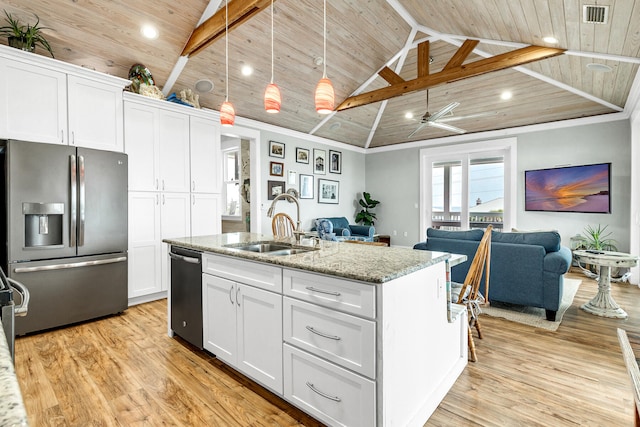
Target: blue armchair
<point x="345" y="231"/>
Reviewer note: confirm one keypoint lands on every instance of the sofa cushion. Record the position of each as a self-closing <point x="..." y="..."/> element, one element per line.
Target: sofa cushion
<point x="339" y="222"/>
<point x="459" y="235"/>
<point x="549" y="240"/>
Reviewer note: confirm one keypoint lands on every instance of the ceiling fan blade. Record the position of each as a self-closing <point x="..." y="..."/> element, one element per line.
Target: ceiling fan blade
<point x="468" y="116"/>
<point x="443" y="111"/>
<point x="418" y="129"/>
<point x="446" y="127"/>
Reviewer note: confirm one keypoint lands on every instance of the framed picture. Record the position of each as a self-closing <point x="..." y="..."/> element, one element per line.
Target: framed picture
<point x="276" y="149"/>
<point x="306" y="186"/>
<point x="335" y="161"/>
<point x="302" y="155"/>
<point x="275" y="188"/>
<point x="328" y="191"/>
<point x="277" y="168"/>
<point x="319" y="161"/>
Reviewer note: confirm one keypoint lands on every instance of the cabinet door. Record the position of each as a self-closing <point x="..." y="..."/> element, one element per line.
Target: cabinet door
<point x="33" y="103"/>
<point x="95" y="114"/>
<point x="144" y="244"/>
<point x="175" y="220"/>
<point x="260" y="336"/>
<point x="206" y="172"/>
<point x="142" y="146"/>
<point x="174" y="151"/>
<point x="219" y="317"/>
<point x="205" y="214"/>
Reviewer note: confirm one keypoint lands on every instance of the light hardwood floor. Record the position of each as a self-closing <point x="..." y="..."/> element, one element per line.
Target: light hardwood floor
<point x="125" y="371"/>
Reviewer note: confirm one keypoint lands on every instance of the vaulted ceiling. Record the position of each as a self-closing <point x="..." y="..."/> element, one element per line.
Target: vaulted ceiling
<point x="362" y="38"/>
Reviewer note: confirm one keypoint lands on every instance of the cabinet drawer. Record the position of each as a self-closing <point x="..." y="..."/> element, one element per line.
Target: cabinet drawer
<point x="341" y="338"/>
<point x="251" y="273"/>
<point x="328" y="392"/>
<point x="340" y="294"/>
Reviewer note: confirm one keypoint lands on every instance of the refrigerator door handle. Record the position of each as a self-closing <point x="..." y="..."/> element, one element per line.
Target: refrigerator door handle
<point x="23" y="308"/>
<point x="81" y="200"/>
<point x="69" y="265"/>
<point x="74" y="200"/>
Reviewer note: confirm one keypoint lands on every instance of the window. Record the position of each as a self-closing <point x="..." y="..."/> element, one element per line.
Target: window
<point x="231" y="187"/>
<point x="468" y="186"/>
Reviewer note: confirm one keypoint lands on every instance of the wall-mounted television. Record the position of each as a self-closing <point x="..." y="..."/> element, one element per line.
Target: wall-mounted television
<point x="585" y="188"/>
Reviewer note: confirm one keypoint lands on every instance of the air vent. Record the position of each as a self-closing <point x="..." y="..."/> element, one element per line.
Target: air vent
<point x="593" y="14"/>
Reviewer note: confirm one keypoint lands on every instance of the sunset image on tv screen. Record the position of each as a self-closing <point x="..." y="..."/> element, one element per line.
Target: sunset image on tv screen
<point x="569" y="189"/>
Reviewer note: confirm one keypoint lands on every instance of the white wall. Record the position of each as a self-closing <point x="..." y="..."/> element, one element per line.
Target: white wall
<point x="351" y="180"/>
<point x="392" y="178"/>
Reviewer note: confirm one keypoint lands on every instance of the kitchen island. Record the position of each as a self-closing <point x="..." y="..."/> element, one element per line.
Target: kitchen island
<point x="351" y="334"/>
<point x="12" y="410"/>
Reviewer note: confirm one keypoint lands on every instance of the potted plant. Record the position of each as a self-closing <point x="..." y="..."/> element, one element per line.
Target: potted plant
<point x="24" y="37"/>
<point x="365" y="215"/>
<point x="596" y="238"/>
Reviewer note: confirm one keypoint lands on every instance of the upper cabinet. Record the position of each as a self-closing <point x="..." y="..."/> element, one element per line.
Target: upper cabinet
<point x="45" y="100"/>
<point x="171" y="147"/>
<point x="206" y="170"/>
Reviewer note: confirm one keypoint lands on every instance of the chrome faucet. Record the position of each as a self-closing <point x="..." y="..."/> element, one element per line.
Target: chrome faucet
<point x="289" y="198"/>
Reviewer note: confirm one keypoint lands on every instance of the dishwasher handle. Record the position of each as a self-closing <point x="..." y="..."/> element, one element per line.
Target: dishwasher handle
<point x="190" y="260"/>
<point x="23" y="308"/>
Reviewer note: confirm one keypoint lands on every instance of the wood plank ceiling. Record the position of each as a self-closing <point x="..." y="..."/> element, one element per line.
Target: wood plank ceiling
<point x="361" y="40"/>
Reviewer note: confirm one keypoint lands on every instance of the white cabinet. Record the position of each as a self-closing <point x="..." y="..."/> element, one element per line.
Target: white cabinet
<point x="95" y="114"/>
<point x="243" y="327"/>
<point x="205" y="214"/>
<point x="174" y="222"/>
<point x="157" y="142"/>
<point x="33" y="103"/>
<point x="206" y="167"/>
<point x="145" y="247"/>
<point x="174" y="151"/>
<point x="45" y="100"/>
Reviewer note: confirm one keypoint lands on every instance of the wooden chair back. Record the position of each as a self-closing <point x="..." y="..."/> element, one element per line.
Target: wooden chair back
<point x="481" y="261"/>
<point x="282" y="225"/>
<point x="632" y="369"/>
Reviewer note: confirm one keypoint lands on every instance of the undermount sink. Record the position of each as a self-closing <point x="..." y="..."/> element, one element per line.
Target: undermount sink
<point x="271" y="248"/>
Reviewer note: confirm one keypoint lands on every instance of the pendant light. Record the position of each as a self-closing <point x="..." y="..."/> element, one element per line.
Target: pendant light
<point x="324" y="91"/>
<point x="272" y="98"/>
<point x="227" y="112"/>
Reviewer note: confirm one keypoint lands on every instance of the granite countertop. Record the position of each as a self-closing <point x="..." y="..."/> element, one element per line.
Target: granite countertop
<point x="12" y="411"/>
<point x="374" y="264"/>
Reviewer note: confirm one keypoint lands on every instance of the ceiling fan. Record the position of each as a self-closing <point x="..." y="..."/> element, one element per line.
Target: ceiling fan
<point x="439" y="120"/>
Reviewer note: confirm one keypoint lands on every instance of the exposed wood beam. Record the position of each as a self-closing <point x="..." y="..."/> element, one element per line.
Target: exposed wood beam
<point x="213" y="28"/>
<point x="390" y="76"/>
<point x="482" y="66"/>
<point x="423" y="59"/>
<point x="461" y="54"/>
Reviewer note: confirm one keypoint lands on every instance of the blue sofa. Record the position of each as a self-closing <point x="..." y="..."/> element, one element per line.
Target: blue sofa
<point x="345" y="231"/>
<point x="526" y="268"/>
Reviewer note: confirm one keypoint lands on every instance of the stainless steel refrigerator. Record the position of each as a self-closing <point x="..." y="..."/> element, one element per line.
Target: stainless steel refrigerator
<point x="65" y="225"/>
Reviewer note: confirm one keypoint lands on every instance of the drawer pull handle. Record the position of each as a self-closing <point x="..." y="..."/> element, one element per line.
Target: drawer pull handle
<point x="322" y="291"/>
<point x="322" y="334"/>
<point x="325" y="395"/>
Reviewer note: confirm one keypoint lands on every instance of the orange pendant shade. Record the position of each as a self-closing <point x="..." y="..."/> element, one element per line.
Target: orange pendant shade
<point x="324" y="96"/>
<point x="227" y="114"/>
<point x="272" y="99"/>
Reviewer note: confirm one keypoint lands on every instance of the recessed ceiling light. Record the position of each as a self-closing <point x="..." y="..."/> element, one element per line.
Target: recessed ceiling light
<point x="408" y="115"/>
<point x="550" y="40"/>
<point x="601" y="68"/>
<point x="335" y="126"/>
<point x="247" y="70"/>
<point x="506" y="95"/>
<point x="149" y="31"/>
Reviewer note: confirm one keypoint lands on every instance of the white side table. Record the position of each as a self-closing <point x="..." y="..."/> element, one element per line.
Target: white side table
<point x="603" y="304"/>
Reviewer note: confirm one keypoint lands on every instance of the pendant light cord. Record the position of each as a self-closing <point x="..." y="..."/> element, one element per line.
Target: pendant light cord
<point x="226" y="43"/>
<point x="271" y="41"/>
<point x="324" y="30"/>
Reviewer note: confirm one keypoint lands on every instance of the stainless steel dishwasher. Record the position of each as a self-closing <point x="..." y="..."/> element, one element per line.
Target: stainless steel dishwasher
<point x="186" y="294"/>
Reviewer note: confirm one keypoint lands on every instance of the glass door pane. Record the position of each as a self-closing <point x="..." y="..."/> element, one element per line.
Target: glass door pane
<point x="486" y="192"/>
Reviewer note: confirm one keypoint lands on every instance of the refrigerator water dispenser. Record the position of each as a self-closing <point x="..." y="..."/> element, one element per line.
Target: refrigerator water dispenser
<point x="43" y="224"/>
